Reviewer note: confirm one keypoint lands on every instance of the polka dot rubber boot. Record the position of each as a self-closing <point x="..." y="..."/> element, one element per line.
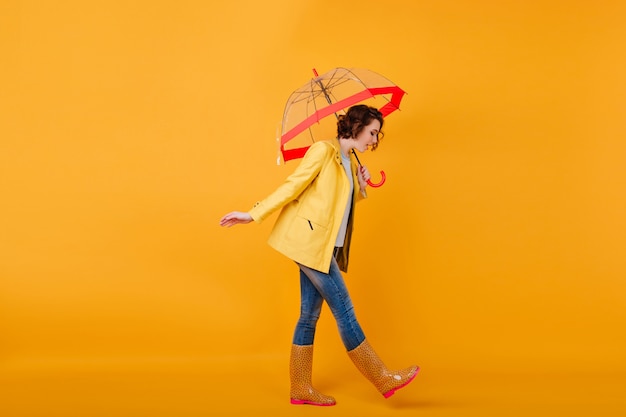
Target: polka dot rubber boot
<point x="370" y="365"/>
<point x="300" y="370"/>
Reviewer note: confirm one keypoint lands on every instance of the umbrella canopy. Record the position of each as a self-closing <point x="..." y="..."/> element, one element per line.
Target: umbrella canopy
<point x="306" y="116"/>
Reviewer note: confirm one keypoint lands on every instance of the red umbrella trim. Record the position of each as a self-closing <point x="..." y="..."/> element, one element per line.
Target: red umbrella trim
<point x="396" y="96"/>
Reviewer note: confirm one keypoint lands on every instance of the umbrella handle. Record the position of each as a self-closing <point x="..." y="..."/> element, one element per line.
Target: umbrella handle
<point x="382" y="180"/>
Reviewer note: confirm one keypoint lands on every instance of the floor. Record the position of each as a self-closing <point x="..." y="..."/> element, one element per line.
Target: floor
<point x="259" y="386"/>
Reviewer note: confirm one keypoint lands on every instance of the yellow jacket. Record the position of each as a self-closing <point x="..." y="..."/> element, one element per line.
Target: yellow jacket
<point x="313" y="200"/>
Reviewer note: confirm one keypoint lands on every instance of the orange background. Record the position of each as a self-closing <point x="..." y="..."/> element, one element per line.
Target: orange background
<point x="127" y="129"/>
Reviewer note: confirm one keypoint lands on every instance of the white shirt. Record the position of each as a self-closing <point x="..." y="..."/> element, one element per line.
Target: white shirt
<point x="341" y="236"/>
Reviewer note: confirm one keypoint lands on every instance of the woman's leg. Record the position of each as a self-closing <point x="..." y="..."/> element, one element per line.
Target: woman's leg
<point x="301" y="360"/>
<point x="310" y="308"/>
<point x="332" y="287"/>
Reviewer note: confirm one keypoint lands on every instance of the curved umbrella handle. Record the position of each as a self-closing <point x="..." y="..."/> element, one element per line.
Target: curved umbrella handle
<point x="382" y="180"/>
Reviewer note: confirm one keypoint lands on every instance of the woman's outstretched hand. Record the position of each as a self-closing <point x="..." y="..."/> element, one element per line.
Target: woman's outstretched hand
<point x="235" y="217"/>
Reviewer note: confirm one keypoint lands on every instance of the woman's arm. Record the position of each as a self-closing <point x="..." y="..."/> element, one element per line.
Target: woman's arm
<point x="295" y="184"/>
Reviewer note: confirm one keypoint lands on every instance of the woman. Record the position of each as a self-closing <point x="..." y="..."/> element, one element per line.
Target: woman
<point x="314" y="229"/>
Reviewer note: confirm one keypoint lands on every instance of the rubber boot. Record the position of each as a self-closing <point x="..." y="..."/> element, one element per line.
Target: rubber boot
<point x="300" y="370"/>
<point x="373" y="368"/>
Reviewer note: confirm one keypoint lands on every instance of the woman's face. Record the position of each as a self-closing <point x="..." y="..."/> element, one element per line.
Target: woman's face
<point x="368" y="136"/>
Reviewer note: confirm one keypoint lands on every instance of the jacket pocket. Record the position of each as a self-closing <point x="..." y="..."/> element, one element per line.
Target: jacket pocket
<point x="313" y="224"/>
<point x="314" y="218"/>
<point x="306" y="236"/>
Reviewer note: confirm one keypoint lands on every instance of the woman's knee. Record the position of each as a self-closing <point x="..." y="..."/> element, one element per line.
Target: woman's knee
<point x="308" y="319"/>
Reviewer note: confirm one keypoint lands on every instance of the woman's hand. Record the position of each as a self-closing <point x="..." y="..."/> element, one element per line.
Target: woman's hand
<point x="235" y="217"/>
<point x="363" y="175"/>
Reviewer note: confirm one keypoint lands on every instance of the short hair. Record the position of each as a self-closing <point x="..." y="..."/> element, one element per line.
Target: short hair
<point x="349" y="125"/>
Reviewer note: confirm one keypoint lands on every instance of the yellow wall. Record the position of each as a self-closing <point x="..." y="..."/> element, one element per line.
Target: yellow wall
<point x="128" y="130"/>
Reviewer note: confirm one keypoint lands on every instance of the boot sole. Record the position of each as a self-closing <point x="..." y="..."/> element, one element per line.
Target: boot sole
<point x="303" y="402"/>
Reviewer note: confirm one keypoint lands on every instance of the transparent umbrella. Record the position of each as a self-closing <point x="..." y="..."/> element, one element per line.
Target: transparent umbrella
<point x="306" y="118"/>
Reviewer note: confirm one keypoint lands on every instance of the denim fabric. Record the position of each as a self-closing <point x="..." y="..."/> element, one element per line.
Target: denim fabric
<point x="316" y="287"/>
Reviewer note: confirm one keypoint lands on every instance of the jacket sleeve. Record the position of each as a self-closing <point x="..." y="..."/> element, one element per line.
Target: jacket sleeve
<point x="294" y="185"/>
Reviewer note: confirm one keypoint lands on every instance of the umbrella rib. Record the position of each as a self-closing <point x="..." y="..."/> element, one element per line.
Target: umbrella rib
<point x="313" y="84"/>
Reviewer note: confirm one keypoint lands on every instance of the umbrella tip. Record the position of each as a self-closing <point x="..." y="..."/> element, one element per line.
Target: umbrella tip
<point x="315" y="72"/>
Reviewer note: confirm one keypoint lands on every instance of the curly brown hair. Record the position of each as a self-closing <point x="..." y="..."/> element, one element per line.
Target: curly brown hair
<point x="349" y="125"/>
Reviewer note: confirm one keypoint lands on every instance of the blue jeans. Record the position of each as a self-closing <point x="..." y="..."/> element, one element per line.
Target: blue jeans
<point x="315" y="287"/>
